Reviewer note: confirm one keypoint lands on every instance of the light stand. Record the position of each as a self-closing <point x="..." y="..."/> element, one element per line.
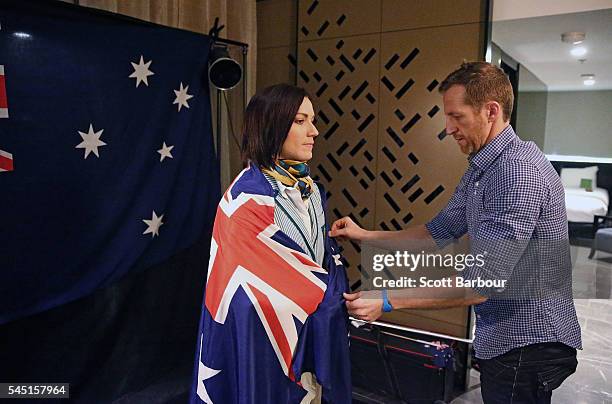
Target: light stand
<point x="224" y="73"/>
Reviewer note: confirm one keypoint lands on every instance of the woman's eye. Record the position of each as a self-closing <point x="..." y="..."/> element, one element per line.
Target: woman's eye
<point x="299" y="121"/>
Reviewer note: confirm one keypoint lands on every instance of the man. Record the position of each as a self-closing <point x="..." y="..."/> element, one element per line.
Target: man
<point x="526" y="347"/>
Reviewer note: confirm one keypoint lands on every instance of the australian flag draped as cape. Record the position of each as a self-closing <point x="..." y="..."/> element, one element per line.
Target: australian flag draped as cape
<point x="270" y="313"/>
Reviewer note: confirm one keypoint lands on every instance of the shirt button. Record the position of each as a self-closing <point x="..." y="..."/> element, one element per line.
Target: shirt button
<point x="476" y="183"/>
<point x="478" y="316"/>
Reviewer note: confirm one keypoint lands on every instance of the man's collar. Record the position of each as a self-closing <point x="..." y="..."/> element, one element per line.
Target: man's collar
<point x="483" y="158"/>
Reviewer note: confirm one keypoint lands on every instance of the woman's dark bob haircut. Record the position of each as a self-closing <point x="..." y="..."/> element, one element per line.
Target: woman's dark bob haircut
<point x="267" y="121"/>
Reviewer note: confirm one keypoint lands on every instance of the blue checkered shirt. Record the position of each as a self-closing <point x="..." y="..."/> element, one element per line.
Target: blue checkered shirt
<point x="511" y="192"/>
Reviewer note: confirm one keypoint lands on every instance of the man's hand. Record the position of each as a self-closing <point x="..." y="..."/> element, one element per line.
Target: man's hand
<point x="366" y="307"/>
<point x="345" y="228"/>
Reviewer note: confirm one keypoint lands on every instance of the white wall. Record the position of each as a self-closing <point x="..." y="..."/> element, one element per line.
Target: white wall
<point x="531" y="107"/>
<point x="579" y="123"/>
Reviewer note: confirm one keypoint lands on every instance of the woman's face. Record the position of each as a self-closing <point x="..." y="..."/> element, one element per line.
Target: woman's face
<point x="301" y="137"/>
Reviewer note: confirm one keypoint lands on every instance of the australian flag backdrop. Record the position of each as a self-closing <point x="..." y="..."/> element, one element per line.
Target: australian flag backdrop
<point x="108" y="201"/>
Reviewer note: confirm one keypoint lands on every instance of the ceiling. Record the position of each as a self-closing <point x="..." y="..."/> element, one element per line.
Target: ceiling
<point x="536" y="44"/>
<point x="514" y="9"/>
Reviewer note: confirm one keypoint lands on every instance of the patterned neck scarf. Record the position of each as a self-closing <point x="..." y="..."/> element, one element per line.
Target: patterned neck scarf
<point x="291" y="172"/>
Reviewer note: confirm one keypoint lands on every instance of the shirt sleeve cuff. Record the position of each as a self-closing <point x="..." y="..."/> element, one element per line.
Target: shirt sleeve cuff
<point x="442" y="237"/>
<point x="472" y="274"/>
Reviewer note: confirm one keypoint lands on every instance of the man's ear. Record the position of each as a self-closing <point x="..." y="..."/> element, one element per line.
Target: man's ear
<point x="493" y="110"/>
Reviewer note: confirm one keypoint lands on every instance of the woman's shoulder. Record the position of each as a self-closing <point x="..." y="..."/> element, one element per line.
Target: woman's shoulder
<point x="271" y="180"/>
<point x="318" y="197"/>
<point x="251" y="181"/>
<point x="319" y="186"/>
<point x="319" y="189"/>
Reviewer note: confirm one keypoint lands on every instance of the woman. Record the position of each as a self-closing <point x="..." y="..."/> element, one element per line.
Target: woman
<point x="274" y="326"/>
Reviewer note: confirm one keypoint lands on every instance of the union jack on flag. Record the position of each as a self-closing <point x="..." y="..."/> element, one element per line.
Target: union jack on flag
<point x="262" y="292"/>
<point x="279" y="281"/>
<point x="6" y="158"/>
<point x="6" y="161"/>
<point x="3" y="98"/>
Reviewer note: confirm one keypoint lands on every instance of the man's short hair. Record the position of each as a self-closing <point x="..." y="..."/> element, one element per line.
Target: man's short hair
<point x="483" y="82"/>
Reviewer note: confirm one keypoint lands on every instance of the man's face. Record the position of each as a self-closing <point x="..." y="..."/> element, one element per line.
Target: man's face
<point x="468" y="126"/>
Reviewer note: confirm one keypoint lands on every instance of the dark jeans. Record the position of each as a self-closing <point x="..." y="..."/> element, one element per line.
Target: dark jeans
<point x="526" y="375"/>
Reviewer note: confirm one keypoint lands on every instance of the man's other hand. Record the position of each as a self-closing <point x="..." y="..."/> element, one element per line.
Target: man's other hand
<point x="364" y="306"/>
<point x="345" y="228"/>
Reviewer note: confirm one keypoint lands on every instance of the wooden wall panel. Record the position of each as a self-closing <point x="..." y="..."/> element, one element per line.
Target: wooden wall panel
<point x="342" y="79"/>
<point x="383" y="156"/>
<point x="410" y="14"/>
<point x="276" y="42"/>
<point x="419" y="165"/>
<point x="338" y="18"/>
<point x="448" y="321"/>
<point x="274" y="67"/>
<point x="276" y="23"/>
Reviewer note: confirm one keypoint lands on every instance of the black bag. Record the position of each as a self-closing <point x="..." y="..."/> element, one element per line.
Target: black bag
<point x="392" y="365"/>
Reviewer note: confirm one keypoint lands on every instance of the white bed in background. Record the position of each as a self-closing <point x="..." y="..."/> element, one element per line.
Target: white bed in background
<point x="583" y="205"/>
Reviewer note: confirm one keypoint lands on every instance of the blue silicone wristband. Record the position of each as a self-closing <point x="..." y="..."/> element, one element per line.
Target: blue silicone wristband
<point x="386" y="305"/>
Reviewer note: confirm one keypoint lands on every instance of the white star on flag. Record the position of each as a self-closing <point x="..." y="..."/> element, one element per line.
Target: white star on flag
<point x="141" y="71"/>
<point x="182" y="97"/>
<point x="204" y="372"/>
<point x="153" y="225"/>
<point x="91" y="141"/>
<point x="165" y="152"/>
